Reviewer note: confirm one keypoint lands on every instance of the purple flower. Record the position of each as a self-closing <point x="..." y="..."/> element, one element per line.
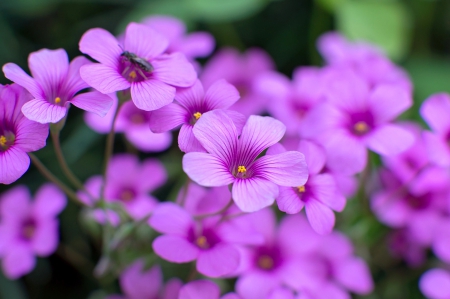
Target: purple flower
<point x="233" y="160"/>
<point x="55" y="85"/>
<point x="129" y="183"/>
<point x="140" y="65"/>
<point x="18" y="135"/>
<point x="137" y="283"/>
<point x="200" y="289"/>
<point x="356" y="117"/>
<point x="190" y="104"/>
<point x="319" y="195"/>
<point x="133" y="122"/>
<point x="241" y="70"/>
<point x="28" y="228"/>
<point x="435" y="284"/>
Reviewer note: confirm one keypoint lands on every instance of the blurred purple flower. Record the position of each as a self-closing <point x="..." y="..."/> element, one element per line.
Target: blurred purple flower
<point x="133" y="122"/>
<point x="435" y="284"/>
<point x="234" y="161"/>
<point x="28" y="228"/>
<point x="18" y="135"/>
<point x="191" y="103"/>
<point x="55" y="85"/>
<point x="241" y="70"/>
<point x="140" y="65"/>
<point x="138" y="283"/>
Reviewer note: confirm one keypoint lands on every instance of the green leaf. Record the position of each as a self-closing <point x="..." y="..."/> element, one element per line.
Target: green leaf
<point x="11" y="289"/>
<point x="330" y="5"/>
<point x="384" y="23"/>
<point x="224" y="11"/>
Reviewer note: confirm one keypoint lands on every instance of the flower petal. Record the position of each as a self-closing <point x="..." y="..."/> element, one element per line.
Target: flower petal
<point x="49" y="201"/>
<point x="288" y="201"/>
<point x="354" y="274"/>
<point x="102" y="46"/>
<point x="45" y="238"/>
<point x="30" y="135"/>
<point x="253" y="194"/>
<point x="155" y="169"/>
<point x="93" y="101"/>
<point x="13" y="164"/>
<point x="437" y="149"/>
<point x="197" y="44"/>
<point x="200" y="289"/>
<point x="389" y="101"/>
<point x="191" y="97"/>
<point x="390" y="139"/>
<point x="144" y="41"/>
<point x="151" y="94"/>
<point x="175" y="249"/>
<point x="187" y="141"/>
<point x="435" y="283"/>
<point x="169" y="218"/>
<point x="43" y="112"/>
<point x="221" y="95"/>
<point x="134" y="280"/>
<point x="326" y="191"/>
<point x="319" y="216"/>
<point x="220" y="260"/>
<point x="314" y="155"/>
<point x="174" y="69"/>
<point x="147" y="141"/>
<point x="167" y="118"/>
<point x="435" y="111"/>
<point x="18" y="262"/>
<point x="206" y="169"/>
<point x="73" y="82"/>
<point x="14" y="73"/>
<point x="103" y="78"/>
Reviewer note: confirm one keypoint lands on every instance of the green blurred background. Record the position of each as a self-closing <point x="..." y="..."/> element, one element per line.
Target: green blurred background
<point x="414" y="33"/>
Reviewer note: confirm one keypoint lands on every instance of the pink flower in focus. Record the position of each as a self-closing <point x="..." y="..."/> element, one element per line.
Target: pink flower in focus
<point x="133" y="122"/>
<point x="140" y="65"/>
<point x="190" y="104"/>
<point x="435" y="284"/>
<point x="241" y="70"/>
<point x="55" y="85"/>
<point x="18" y="134"/>
<point x="138" y="283"/>
<point x="28" y="228"/>
<point x="233" y="160"/>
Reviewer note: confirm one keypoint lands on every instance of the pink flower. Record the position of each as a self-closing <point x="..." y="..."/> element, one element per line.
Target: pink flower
<point x="55" y="85"/>
<point x="140" y="65"/>
<point x="28" y="228"/>
<point x="233" y="160"/>
<point x="204" y="289"/>
<point x="435" y="284"/>
<point x="18" y="135"/>
<point x="190" y="104"/>
<point x="241" y="70"/>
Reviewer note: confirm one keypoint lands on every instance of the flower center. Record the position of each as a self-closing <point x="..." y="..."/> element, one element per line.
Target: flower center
<point x="197" y="115"/>
<point x="301" y="189"/>
<point x="361" y="128"/>
<point x="28" y="231"/>
<point x="3" y="141"/>
<point x="202" y="242"/>
<point x="242" y="169"/>
<point x="127" y="195"/>
<point x="135" y="68"/>
<point x="6" y="140"/>
<point x="57" y="100"/>
<point x="265" y="262"/>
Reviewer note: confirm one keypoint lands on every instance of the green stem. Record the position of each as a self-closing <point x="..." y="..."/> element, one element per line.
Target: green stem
<point x="51" y="177"/>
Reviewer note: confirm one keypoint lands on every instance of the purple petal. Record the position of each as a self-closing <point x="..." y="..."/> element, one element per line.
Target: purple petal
<point x="170" y="218"/>
<point x="18" y="262"/>
<point x="171" y="289"/>
<point x="221" y="95"/>
<point x="220" y="260"/>
<point x="200" y="289"/>
<point x="437" y="149"/>
<point x="73" y="82"/>
<point x="144" y="41"/>
<point x="93" y="101"/>
<point x="151" y="94"/>
<point x="170" y="27"/>
<point x="230" y="296"/>
<point x="15" y="203"/>
<point x="197" y="44"/>
<point x="175" y="249"/>
<point x="354" y="274"/>
<point x="13" y="164"/>
<point x="104" y="78"/>
<point x="187" y="141"/>
<point x="435" y="284"/>
<point x="147" y="141"/>
<point x="218" y="135"/>
<point x="435" y="111"/>
<point x="390" y="139"/>
<point x="206" y="170"/>
<point x="43" y="112"/>
<point x="314" y="155"/>
<point x="154" y="169"/>
<point x="389" y="101"/>
<point x="192" y="97"/>
<point x="30" y="136"/>
<point x="49" y="201"/>
<point x="286" y="169"/>
<point x="256" y="285"/>
<point x="14" y="73"/>
<point x="45" y="238"/>
<point x="288" y="201"/>
<point x="137" y="283"/>
<point x="103" y="124"/>
<point x="325" y="189"/>
<point x="253" y="194"/>
<point x="320" y="216"/>
<point x="174" y="69"/>
<point x="102" y="46"/>
<point x="238" y="119"/>
<point x="281" y="293"/>
<point x="258" y="134"/>
<point x="167" y="118"/>
<point x="141" y="206"/>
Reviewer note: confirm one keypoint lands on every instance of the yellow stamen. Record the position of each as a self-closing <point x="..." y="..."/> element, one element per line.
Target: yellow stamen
<point x="57" y="100"/>
<point x="241" y="169"/>
<point x="265" y="262"/>
<point x="3" y="140"/>
<point x="361" y="127"/>
<point x="202" y="242"/>
<point x="197" y="115"/>
<point x="127" y="195"/>
<point x="132" y="75"/>
<point x="301" y="189"/>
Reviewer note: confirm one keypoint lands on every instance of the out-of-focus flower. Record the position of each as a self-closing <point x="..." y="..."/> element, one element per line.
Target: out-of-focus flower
<point x="139" y="65"/>
<point x="138" y="283"/>
<point x="133" y="122"/>
<point x="234" y="161"/>
<point x="129" y="183"/>
<point x="191" y="103"/>
<point x="18" y="135"/>
<point x="28" y="228"/>
<point x="54" y="85"/>
<point x="356" y="117"/>
<point x="240" y="70"/>
<point x="435" y="284"/>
